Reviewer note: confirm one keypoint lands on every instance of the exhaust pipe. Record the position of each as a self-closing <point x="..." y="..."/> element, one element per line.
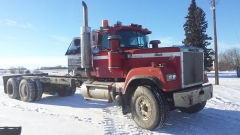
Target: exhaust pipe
<point x="86" y="54"/>
<point x="85" y="13"/>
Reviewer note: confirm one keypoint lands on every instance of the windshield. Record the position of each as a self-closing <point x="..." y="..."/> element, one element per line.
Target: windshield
<point x="132" y="39"/>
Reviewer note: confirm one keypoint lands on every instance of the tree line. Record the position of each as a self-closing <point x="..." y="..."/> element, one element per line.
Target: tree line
<point x="229" y="59"/>
<point x="21" y="70"/>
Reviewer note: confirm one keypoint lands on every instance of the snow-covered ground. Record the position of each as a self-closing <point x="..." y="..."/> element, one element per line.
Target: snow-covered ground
<point x="73" y="115"/>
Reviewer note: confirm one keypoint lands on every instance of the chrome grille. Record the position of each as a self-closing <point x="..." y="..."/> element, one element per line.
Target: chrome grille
<point x="192" y="68"/>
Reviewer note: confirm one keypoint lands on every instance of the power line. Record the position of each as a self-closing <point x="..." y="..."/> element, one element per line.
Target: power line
<point x="233" y="26"/>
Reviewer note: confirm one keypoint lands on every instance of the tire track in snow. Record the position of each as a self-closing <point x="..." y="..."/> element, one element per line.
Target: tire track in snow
<point x="122" y="124"/>
<point x="219" y="103"/>
<point x="37" y="110"/>
<point x="47" y="112"/>
<point x="216" y="118"/>
<point x="114" y="121"/>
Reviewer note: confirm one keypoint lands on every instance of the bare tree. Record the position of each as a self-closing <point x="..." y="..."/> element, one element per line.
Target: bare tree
<point x="236" y="56"/>
<point x="12" y="70"/>
<point x="229" y="59"/>
<point x="21" y="70"/>
<point x="36" y="71"/>
<point x="4" y="71"/>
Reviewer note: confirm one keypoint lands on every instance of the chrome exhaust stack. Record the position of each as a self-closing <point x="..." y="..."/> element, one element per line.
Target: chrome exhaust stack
<point x="85" y="34"/>
<point x="85" y="14"/>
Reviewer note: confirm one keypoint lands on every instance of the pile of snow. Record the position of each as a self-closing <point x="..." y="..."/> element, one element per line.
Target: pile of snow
<point x="74" y="116"/>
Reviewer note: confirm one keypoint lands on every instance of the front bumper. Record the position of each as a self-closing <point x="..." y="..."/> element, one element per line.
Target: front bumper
<point x="192" y="96"/>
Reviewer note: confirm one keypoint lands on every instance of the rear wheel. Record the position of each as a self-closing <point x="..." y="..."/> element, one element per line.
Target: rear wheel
<point x="27" y="90"/>
<point x="38" y="89"/>
<point x="68" y="90"/>
<point x="64" y="91"/>
<point x="149" y="108"/>
<point x="193" y="109"/>
<point x="73" y="90"/>
<point x="13" y="88"/>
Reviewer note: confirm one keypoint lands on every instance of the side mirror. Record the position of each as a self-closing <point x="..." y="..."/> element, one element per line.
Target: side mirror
<point x="95" y="49"/>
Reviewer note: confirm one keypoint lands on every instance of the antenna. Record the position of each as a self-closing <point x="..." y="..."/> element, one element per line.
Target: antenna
<point x="144" y="12"/>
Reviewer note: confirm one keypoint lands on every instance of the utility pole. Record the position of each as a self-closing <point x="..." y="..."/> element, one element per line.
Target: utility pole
<point x="215" y="43"/>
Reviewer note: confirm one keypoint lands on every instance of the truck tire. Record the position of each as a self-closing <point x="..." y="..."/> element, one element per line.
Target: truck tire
<point x="64" y="91"/>
<point x="19" y="79"/>
<point x="38" y="89"/>
<point x="193" y="109"/>
<point x="73" y="90"/>
<point x="13" y="88"/>
<point x="27" y="90"/>
<point x="68" y="90"/>
<point x="238" y="71"/>
<point x="149" y="108"/>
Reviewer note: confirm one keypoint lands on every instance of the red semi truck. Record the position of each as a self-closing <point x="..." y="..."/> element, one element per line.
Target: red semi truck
<point x="147" y="82"/>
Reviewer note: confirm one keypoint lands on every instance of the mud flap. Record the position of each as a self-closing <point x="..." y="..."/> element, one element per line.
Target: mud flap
<point x="10" y="130"/>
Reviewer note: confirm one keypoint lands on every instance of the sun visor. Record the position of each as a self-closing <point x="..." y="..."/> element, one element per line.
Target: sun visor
<point x="74" y="47"/>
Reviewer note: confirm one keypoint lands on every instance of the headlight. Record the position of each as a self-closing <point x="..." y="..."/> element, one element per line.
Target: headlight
<point x="171" y="77"/>
<point x="127" y="55"/>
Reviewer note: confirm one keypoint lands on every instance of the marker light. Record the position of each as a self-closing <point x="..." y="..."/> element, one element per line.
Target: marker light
<point x="153" y="64"/>
<point x="104" y="23"/>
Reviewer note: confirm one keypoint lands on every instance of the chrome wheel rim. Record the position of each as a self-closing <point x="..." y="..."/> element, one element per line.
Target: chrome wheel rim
<point x="23" y="91"/>
<point x="143" y="108"/>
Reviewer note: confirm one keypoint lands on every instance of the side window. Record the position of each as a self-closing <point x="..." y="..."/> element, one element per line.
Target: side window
<point x="103" y="41"/>
<point x="141" y="41"/>
<point x="133" y="41"/>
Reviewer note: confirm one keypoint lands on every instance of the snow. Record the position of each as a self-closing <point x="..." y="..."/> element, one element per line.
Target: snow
<point x="74" y="116"/>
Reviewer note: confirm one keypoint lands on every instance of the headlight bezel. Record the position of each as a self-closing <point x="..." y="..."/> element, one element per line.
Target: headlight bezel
<point x="171" y="77"/>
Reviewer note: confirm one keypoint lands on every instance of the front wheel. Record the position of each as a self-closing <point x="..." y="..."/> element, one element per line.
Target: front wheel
<point x="193" y="109"/>
<point x="149" y="108"/>
<point x="38" y="89"/>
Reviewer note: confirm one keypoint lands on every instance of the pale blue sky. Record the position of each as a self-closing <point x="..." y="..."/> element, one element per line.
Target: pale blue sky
<point x="37" y="33"/>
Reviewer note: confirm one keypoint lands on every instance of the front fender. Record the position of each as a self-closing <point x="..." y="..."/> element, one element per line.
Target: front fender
<point x="150" y="78"/>
<point x="148" y="73"/>
<point x="154" y="74"/>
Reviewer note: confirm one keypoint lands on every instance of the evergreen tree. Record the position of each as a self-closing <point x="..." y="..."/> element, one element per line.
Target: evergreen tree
<point x="190" y="26"/>
<point x="195" y="32"/>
